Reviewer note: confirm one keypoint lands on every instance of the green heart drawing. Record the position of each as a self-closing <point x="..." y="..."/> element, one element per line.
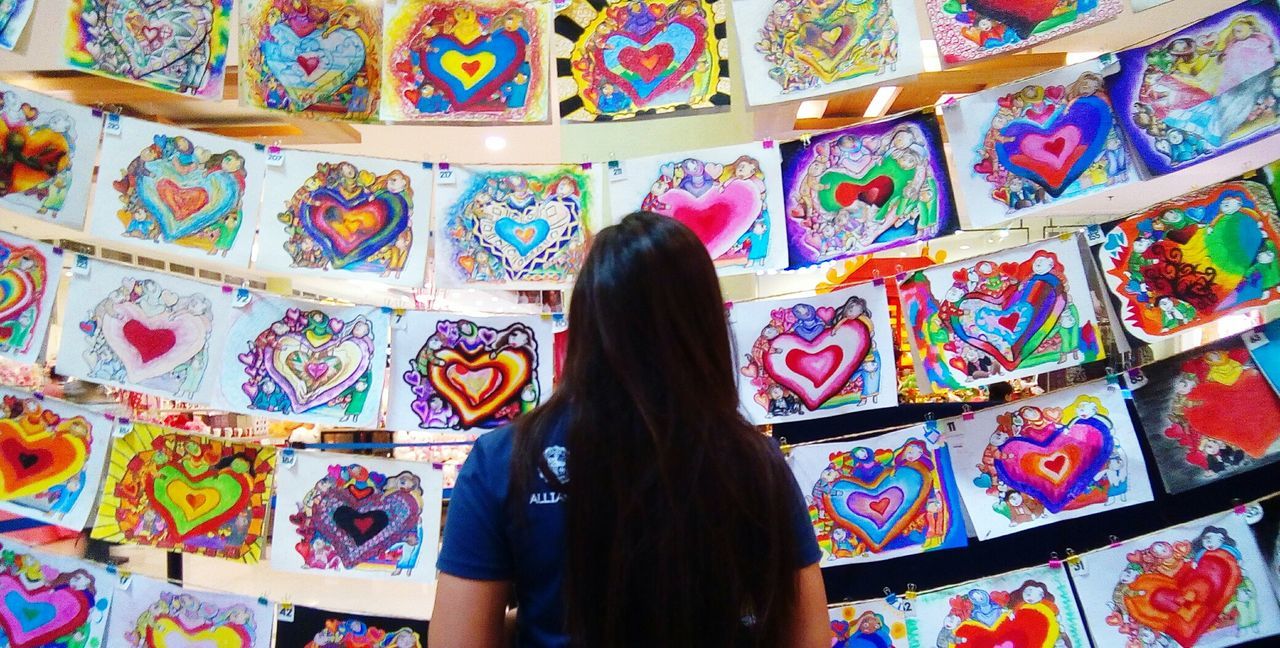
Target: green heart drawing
<point x="197" y="505"/>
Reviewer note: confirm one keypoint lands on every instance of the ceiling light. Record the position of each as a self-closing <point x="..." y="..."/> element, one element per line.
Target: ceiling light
<point x="964" y="247"/>
<point x="495" y="142"/>
<point x="812" y="109"/>
<point x="883" y="101"/>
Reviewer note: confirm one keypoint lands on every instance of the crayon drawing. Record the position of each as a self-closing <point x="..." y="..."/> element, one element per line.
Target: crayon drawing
<point x="1025" y="146"/>
<point x="795" y="50"/>
<point x="879" y="498"/>
<point x="51" y="601"/>
<point x="1202" y="584"/>
<point x="619" y="60"/>
<point x="452" y="372"/>
<point x="1194" y="259"/>
<point x="466" y="60"/>
<point x="375" y="518"/>
<point x="316" y="628"/>
<point x="1064" y="455"/>
<point x="318" y="58"/>
<point x="731" y="197"/>
<point x="866" y="188"/>
<point x="13" y="20"/>
<point x="1209" y="414"/>
<point x="868" y="624"/>
<point x="29" y="276"/>
<point x="145" y="331"/>
<point x="151" y="613"/>
<point x="972" y="29"/>
<point x="514" y="227"/>
<point x="343" y="216"/>
<point x="813" y="357"/>
<point x="306" y="362"/>
<point x="187" y="493"/>
<point x="52" y="455"/>
<point x="1011" y="314"/>
<point x="46" y="156"/>
<point x="1032" y="607"/>
<point x="1203" y="91"/>
<point x="186" y="192"/>
<point x="171" y="45"/>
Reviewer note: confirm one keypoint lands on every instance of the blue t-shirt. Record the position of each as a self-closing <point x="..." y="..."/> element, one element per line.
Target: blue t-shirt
<point x="482" y="543"/>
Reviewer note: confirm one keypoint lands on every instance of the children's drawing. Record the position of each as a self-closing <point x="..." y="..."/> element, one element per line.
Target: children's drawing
<point x="29" y="275"/>
<point x="1043" y="141"/>
<point x="46" y="156"/>
<point x="51" y="601"/>
<point x="972" y="29"/>
<point x="1031" y="608"/>
<point x="13" y="19"/>
<point x="451" y="372"/>
<point x="187" y="493"/>
<point x="51" y="458"/>
<point x="1194" y="259"/>
<point x="880" y="498"/>
<point x="731" y="197"/>
<point x="342" y="216"/>
<point x="1264" y="348"/>
<point x="1202" y="91"/>
<point x="466" y="60"/>
<point x="319" y="58"/>
<point x="376" y="518"/>
<point x="513" y="227"/>
<point x="171" y="45"/>
<point x="1202" y="584"/>
<point x="145" y="331"/>
<point x="1015" y="313"/>
<point x="1064" y="455"/>
<point x="306" y="362"/>
<point x="813" y="357"/>
<point x="1209" y="414"/>
<point x="618" y="59"/>
<point x="187" y="192"/>
<point x="868" y="624"/>
<point x="150" y="613"/>
<point x="316" y="628"/>
<point x="866" y="188"/>
<point x="794" y="50"/>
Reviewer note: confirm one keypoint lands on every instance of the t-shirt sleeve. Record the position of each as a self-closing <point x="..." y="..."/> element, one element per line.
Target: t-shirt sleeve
<point x="475" y="545"/>
<point x="807" y="551"/>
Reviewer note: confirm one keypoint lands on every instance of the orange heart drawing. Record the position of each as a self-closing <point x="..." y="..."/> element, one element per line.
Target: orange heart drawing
<point x="35" y="460"/>
<point x="1187" y="604"/>
<point x="477" y="385"/>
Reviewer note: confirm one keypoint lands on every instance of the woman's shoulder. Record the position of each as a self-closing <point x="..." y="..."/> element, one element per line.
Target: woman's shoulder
<point x="493" y="449"/>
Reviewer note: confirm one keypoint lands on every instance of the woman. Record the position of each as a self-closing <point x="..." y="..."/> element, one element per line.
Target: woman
<point x="667" y="519"/>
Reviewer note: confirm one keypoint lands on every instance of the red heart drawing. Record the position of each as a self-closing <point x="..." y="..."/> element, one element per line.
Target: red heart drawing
<point x="1033" y="626"/>
<point x="308" y="63"/>
<point x="817" y="370"/>
<point x="719" y="218"/>
<point x="648" y="63"/>
<point x="471" y="67"/>
<point x="875" y="192"/>
<point x="182" y="201"/>
<point x="1216" y="412"/>
<point x="150" y="343"/>
<point x="1186" y="605"/>
<point x="1009" y="322"/>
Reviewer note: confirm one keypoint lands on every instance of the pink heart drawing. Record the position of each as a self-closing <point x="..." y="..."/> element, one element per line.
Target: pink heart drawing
<point x="190" y="334"/>
<point x="816" y="371"/>
<point x="719" y="217"/>
<point x="1053" y="149"/>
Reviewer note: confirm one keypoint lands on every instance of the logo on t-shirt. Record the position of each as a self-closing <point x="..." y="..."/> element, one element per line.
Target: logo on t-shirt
<point x="558" y="461"/>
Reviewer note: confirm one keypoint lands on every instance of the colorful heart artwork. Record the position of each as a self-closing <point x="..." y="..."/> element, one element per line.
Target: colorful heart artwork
<point x="360" y="531"/>
<point x="35" y="458"/>
<point x="474" y="386"/>
<point x="351" y="231"/>
<point x="50" y="600"/>
<point x="195" y="505"/>
<point x="1186" y="604"/>
<point x="719" y="217"/>
<point x="313" y="375"/>
<point x="1027" y="608"/>
<point x="188" y="203"/>
<point x="40" y="616"/>
<point x="26" y="297"/>
<point x="878" y="512"/>
<point x="345" y="628"/>
<point x="1011" y="326"/>
<point x="1059" y="469"/>
<point x="149" y="345"/>
<point x="151" y="613"/>
<point x="1055" y="154"/>
<point x="168" y="632"/>
<point x="975" y="29"/>
<point x="818" y="369"/>
<point x="313" y="68"/>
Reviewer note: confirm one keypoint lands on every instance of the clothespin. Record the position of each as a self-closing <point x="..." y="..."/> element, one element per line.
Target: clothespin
<point x="876" y="279"/>
<point x="1113" y="542"/>
<point x="768" y="143"/>
<point x="931" y="433"/>
<point x="966" y="412"/>
<point x="285" y="612"/>
<point x="1075" y="564"/>
<point x="427" y="165"/>
<point x="38" y="395"/>
<point x="784" y="446"/>
<point x="1054" y="563"/>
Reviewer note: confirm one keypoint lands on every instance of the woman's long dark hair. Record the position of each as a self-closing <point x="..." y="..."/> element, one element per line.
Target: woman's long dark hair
<point x="680" y="513"/>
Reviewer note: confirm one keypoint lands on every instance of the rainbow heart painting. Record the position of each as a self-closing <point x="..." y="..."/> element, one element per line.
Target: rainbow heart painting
<point x="1194" y="259"/>
<point x="29" y="276"/>
<point x="306" y="362"/>
<point x="866" y="188"/>
<point x="466" y="61"/>
<point x="45" y="170"/>
<point x="52" y="455"/>
<point x="179" y="191"/>
<point x="790" y="51"/>
<point x="1027" y="608"/>
<point x="1010" y="314"/>
<point x="1203" y="584"/>
<point x="375" y="519"/>
<point x="150" y="332"/>
<point x="520" y="227"/>
<point x="318" y="58"/>
<point x="730" y="196"/>
<point x="972" y="29"/>
<point x="868" y="624"/>
<point x="813" y="357"/>
<point x="467" y="373"/>
<point x="1060" y="456"/>
<point x="316" y="628"/>
<point x="1204" y="90"/>
<point x="172" y="45"/>
<point x="187" y="493"/>
<point x="650" y="57"/>
<point x="880" y="497"/>
<point x="52" y="601"/>
<point x="346" y="216"/>
<point x="1023" y="147"/>
<point x="1210" y="413"/>
<point x="151" y="613"/>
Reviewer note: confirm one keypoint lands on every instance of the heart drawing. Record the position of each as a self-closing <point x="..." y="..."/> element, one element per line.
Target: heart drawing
<point x="476" y="385"/>
<point x="149" y="36"/>
<point x="1054" y="155"/>
<point x="1187" y="604"/>
<point x="360" y="530"/>
<point x="1059" y="469"/>
<point x="350" y="230"/>
<point x="151" y="345"/>
<point x="720" y="216"/>
<point x="312" y="68"/>
<point x="1032" y="626"/>
<point x="165" y="631"/>
<point x="40" y="616"/>
<point x="470" y="73"/>
<point x="34" y="460"/>
<point x="1010" y="327"/>
<point x="818" y="369"/>
<point x="198" y="505"/>
<point x="312" y="374"/>
<point x="186" y="201"/>
<point x="645" y="66"/>
<point x="880" y="510"/>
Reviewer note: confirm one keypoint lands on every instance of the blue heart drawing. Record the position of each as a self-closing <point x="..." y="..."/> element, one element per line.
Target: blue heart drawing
<point x="314" y="68"/>
<point x="156" y="193"/>
<point x="1054" y="155"/>
<point x="30" y="614"/>
<point x="507" y="52"/>
<point x="525" y="237"/>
